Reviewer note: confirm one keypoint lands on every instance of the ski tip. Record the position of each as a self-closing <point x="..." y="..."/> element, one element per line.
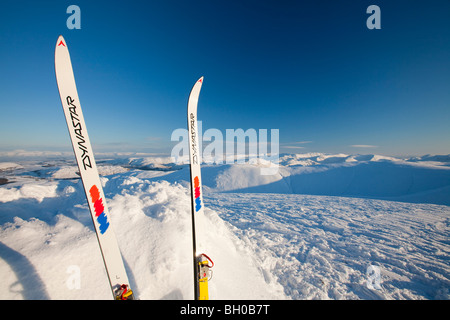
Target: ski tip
<point x="61" y="42"/>
<point x="200" y="80"/>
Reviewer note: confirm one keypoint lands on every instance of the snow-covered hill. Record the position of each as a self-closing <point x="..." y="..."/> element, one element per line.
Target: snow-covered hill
<point x="308" y="232"/>
<point x="419" y="180"/>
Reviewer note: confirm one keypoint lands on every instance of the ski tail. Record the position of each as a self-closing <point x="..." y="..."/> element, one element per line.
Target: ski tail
<point x="84" y="155"/>
<point x="201" y="270"/>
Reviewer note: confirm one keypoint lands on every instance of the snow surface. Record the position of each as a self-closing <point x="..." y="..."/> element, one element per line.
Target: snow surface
<point x="310" y="231"/>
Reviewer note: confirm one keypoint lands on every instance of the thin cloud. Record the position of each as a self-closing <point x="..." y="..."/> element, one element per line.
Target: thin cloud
<point x="363" y="146"/>
<point x="294" y="145"/>
<point x="300" y="142"/>
<point x="153" y="138"/>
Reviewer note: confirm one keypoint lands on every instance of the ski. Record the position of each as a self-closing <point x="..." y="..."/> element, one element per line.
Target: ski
<point x="109" y="248"/>
<point x="202" y="266"/>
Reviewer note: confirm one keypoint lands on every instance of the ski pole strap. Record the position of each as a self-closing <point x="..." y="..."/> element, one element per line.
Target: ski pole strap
<point x="204" y="268"/>
<point x="208" y="260"/>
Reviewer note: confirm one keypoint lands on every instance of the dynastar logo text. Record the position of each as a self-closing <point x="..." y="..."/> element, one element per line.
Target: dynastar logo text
<point x="78" y="130"/>
<point x="193" y="140"/>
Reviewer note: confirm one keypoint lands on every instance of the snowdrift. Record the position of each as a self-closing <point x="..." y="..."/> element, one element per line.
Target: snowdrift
<point x="48" y="247"/>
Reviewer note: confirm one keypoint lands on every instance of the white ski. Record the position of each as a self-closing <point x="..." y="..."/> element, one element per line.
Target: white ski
<point x="109" y="248"/>
<point x="201" y="261"/>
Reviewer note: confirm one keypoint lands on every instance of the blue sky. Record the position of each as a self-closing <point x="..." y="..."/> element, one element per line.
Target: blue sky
<point x="311" y="69"/>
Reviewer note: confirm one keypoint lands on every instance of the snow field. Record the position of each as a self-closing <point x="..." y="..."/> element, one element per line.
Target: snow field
<point x="42" y="255"/>
<point x="267" y="240"/>
<point x="321" y="247"/>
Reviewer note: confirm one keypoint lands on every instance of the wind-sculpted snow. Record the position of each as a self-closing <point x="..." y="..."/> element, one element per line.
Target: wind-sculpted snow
<point x="320" y="247"/>
<point x="288" y="245"/>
